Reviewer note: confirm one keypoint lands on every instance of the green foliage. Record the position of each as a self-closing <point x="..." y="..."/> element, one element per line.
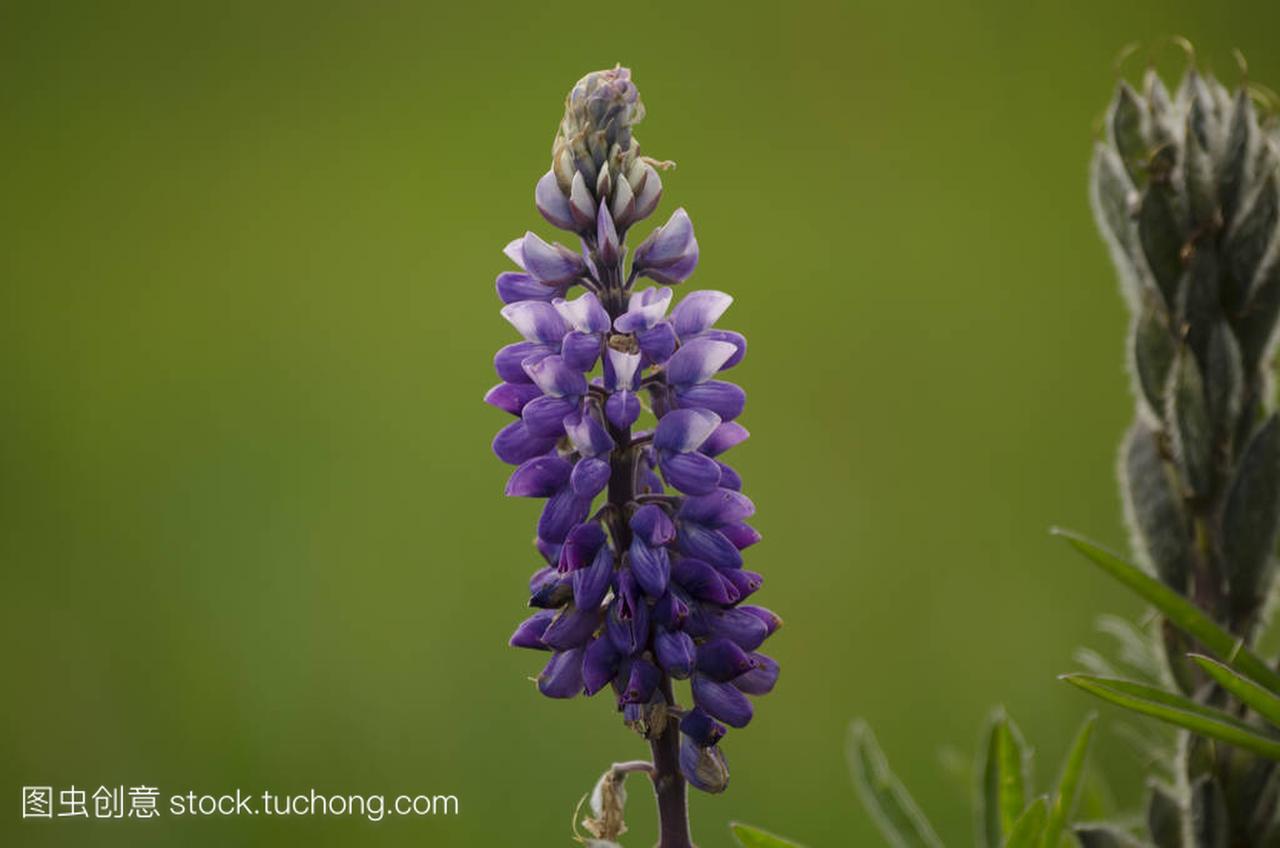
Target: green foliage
<point x="1002" y="790"/>
<point x="1067" y="796"/>
<point x="1215" y="818"/>
<point x="754" y="837"/>
<point x="1029" y="828"/>
<point x="1183" y="614"/>
<point x="1266" y="703"/>
<point x="1006" y="814"/>
<point x="884" y="796"/>
<point x="1178" y="710"/>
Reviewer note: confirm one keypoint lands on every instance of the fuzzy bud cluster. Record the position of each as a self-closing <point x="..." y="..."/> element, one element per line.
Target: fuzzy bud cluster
<point x="1184" y="187"/>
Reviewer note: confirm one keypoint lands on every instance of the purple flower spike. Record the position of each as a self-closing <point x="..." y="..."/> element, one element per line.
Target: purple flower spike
<point x="620" y="419"/>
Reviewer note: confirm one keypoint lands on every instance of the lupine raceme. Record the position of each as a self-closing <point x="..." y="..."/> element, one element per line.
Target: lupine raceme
<point x="620" y="423"/>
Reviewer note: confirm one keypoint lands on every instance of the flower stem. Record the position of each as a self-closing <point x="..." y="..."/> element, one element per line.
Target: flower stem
<point x="669" y="784"/>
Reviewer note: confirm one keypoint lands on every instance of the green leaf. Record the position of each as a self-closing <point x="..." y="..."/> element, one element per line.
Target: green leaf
<point x="1178" y="710"/>
<point x="1264" y="703"/>
<point x="888" y="802"/>
<point x="1064" y="800"/>
<point x="1002" y="791"/>
<point x="1185" y="615"/>
<point x="1029" y="826"/>
<point x="754" y="837"/>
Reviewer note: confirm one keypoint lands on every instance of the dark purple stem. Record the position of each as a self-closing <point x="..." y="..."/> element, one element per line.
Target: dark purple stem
<point x="669" y="784"/>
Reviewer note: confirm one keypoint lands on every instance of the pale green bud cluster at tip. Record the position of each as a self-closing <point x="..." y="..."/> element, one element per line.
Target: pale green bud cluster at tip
<point x="596" y="152"/>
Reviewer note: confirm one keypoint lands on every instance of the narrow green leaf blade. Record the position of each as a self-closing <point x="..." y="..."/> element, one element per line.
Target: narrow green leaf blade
<point x="1179" y="711"/>
<point x="1182" y="613"/>
<point x="1002" y="781"/>
<point x="754" y="837"/>
<point x="888" y="802"/>
<point x="1264" y="703"/>
<point x="1064" y="800"/>
<point x="1029" y="827"/>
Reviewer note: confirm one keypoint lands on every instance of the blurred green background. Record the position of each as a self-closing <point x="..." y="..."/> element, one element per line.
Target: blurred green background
<point x="251" y="531"/>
